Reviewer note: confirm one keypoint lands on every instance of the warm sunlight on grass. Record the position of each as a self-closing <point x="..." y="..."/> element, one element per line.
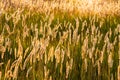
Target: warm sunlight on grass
<point x="59" y="39"/>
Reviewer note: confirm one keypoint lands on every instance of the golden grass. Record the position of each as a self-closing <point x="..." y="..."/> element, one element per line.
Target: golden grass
<point x="59" y="40"/>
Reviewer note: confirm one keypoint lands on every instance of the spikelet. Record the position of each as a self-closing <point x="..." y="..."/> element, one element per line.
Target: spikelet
<point x="2" y="49"/>
<point x="85" y="64"/>
<point x="55" y="31"/>
<point x="50" y="78"/>
<point x="84" y="47"/>
<point x="102" y="53"/>
<point x="11" y="51"/>
<point x="20" y="48"/>
<point x="57" y="55"/>
<point x="26" y="51"/>
<point x="65" y="36"/>
<point x="99" y="69"/>
<point x="16" y="16"/>
<point x="1" y="71"/>
<point x="15" y="72"/>
<point x="0" y="75"/>
<point x="7" y="28"/>
<point x="25" y="32"/>
<point x="28" y="71"/>
<point x="41" y="27"/>
<point x="7" y="17"/>
<point x="119" y="48"/>
<point x="51" y="18"/>
<point x="26" y="61"/>
<point x="70" y="33"/>
<point x="1" y="39"/>
<point x="44" y="43"/>
<point x="46" y="73"/>
<point x="16" y="63"/>
<point x="7" y="69"/>
<point x="67" y="69"/>
<point x="90" y="53"/>
<point x="83" y="25"/>
<point x="117" y="30"/>
<point x="75" y="32"/>
<point x="50" y="54"/>
<point x="15" y="53"/>
<point x="68" y="51"/>
<point x="93" y="28"/>
<point x="118" y="73"/>
<point x="36" y="31"/>
<point x="71" y="63"/>
<point x="78" y="39"/>
<point x="110" y="60"/>
<point x="61" y="69"/>
<point x="119" y="52"/>
<point x="62" y="55"/>
<point x="49" y="31"/>
<point x="109" y="47"/>
<point x="100" y="37"/>
<point x="8" y="44"/>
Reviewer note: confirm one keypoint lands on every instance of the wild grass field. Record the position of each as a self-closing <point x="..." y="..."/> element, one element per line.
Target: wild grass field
<point x="59" y="40"/>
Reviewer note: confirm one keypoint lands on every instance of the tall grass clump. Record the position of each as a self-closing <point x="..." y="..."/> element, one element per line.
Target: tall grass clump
<point x="59" y="40"/>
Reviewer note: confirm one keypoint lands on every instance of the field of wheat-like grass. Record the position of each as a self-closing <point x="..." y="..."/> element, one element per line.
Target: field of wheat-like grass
<point x="59" y="40"/>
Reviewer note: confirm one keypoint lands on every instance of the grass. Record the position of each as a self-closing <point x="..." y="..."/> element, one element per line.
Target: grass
<point x="52" y="41"/>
